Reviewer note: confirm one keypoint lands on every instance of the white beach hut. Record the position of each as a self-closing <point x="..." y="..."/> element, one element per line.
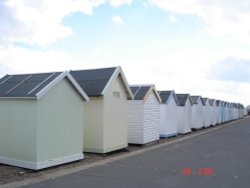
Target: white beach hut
<point x="144" y="115"/>
<point x="219" y="111"/>
<point x="168" y="114"/>
<point x="213" y="111"/>
<point x="235" y="111"/>
<point x="207" y="116"/>
<point x="197" y="112"/>
<point x="184" y="113"/>
<point x="245" y="112"/>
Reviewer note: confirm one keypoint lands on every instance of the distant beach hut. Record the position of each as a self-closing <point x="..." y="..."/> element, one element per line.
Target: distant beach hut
<point x="184" y="113"/>
<point x="168" y="114"/>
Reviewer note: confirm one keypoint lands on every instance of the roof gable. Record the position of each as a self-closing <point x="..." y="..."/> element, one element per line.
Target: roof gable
<point x="212" y="102"/>
<point x="197" y="99"/>
<point x="95" y="81"/>
<point x="141" y="92"/>
<point x="205" y="101"/>
<point x="183" y="98"/>
<point x="166" y="96"/>
<point x="33" y="86"/>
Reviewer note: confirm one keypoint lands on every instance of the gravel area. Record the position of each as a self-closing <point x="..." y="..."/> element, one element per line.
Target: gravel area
<point x="9" y="174"/>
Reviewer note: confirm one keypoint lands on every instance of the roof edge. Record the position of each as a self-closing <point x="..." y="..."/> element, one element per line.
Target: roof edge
<point x="60" y="77"/>
<point x="118" y="71"/>
<point x="152" y="88"/>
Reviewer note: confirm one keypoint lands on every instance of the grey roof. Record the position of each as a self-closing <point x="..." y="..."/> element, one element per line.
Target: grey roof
<point x="165" y="95"/>
<point x="93" y="81"/>
<point x="25" y="85"/>
<point x="139" y="92"/>
<point x="218" y="103"/>
<point x="205" y="101"/>
<point x="195" y="99"/>
<point x="182" y="99"/>
<point x="211" y="102"/>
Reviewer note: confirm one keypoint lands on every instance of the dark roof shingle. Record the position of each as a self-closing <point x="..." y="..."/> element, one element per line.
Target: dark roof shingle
<point x="139" y="92"/>
<point x="93" y="81"/>
<point x="182" y="99"/>
<point x="25" y="85"/>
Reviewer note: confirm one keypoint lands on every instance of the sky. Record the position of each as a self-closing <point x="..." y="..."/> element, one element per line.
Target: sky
<point x="190" y="46"/>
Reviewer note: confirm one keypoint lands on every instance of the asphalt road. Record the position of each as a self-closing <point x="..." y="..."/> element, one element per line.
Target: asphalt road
<point x="220" y="158"/>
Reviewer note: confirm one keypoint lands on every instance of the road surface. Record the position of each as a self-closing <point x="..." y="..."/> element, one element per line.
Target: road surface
<point x="220" y="158"/>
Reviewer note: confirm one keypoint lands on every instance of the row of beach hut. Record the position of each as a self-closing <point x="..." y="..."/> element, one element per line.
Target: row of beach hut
<point x="49" y="119"/>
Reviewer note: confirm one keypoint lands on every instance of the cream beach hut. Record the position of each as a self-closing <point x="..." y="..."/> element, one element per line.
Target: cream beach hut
<point x="105" y="115"/>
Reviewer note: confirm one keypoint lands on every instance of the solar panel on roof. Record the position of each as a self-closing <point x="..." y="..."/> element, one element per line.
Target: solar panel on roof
<point x="26" y="85"/>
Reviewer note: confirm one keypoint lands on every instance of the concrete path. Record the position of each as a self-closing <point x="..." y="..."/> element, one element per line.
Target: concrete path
<point x="219" y="158"/>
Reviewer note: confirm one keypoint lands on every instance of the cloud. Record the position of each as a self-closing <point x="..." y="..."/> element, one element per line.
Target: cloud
<point x="232" y="69"/>
<point x="19" y="60"/>
<point x="118" y="3"/>
<point x="224" y="18"/>
<point x="117" y="20"/>
<point x="172" y="18"/>
<point x="40" y="22"/>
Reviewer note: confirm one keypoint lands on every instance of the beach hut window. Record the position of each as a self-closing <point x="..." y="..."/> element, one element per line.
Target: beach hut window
<point x="116" y="94"/>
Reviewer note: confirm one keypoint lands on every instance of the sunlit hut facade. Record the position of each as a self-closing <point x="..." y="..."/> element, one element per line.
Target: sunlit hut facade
<point x="168" y="114"/>
<point x="184" y="113"/>
<point x="219" y="111"/>
<point x="144" y="115"/>
<point x="207" y="116"/>
<point x="223" y="111"/>
<point x="197" y="112"/>
<point x="213" y="111"/>
<point x="41" y="123"/>
<point x="106" y="113"/>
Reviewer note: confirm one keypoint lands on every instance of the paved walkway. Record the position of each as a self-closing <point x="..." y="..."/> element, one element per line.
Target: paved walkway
<point x="219" y="158"/>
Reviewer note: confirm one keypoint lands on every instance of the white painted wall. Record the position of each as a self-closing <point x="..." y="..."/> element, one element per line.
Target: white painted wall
<point x="185" y="118"/>
<point x="168" y="118"/>
<point x="206" y="115"/>
<point x="135" y="121"/>
<point x="197" y="115"/>
<point x="143" y="120"/>
<point x="151" y="119"/>
<point x="213" y="112"/>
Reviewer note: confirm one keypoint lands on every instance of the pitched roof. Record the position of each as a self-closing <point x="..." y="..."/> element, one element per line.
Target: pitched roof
<point x="212" y="102"/>
<point x="205" y="101"/>
<point x="95" y="81"/>
<point x="218" y="103"/>
<point x="182" y="99"/>
<point x="165" y="96"/>
<point x="141" y="92"/>
<point x="195" y="99"/>
<point x="33" y="85"/>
